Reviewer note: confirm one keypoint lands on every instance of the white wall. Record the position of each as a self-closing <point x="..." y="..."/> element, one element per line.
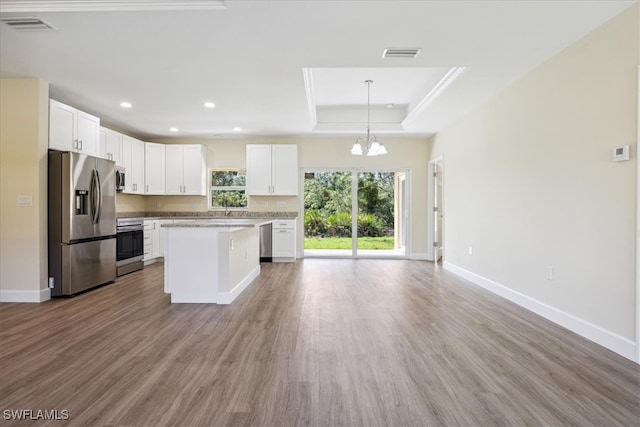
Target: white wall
<point x="24" y="134"/>
<point x="530" y="184"/>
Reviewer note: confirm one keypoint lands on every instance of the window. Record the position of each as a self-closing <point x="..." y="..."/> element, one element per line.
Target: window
<point x="227" y="189"/>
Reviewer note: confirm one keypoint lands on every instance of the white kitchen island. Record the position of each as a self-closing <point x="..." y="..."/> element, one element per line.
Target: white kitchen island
<point x="211" y="261"/>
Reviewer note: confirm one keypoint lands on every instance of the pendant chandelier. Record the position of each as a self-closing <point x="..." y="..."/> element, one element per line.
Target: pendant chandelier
<point x="372" y="145"/>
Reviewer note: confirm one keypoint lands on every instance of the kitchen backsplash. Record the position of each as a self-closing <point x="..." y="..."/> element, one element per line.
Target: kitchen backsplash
<point x="129" y="203"/>
<point x="132" y="203"/>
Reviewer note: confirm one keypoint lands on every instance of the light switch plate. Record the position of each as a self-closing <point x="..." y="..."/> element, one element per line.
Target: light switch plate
<point x="281" y="204"/>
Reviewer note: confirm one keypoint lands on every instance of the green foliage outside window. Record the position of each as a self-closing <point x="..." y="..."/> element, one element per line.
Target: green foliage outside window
<point x="227" y="189"/>
<point x="327" y="203"/>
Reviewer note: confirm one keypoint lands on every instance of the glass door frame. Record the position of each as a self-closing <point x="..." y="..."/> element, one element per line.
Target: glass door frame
<point x="406" y="238"/>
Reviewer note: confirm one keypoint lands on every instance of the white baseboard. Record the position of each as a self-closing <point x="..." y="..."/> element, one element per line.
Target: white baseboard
<point x="228" y="297"/>
<point x="25" y="296"/>
<point x="616" y="343"/>
<point x="419" y="256"/>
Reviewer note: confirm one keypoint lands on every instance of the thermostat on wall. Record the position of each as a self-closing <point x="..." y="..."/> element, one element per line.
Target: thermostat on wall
<point x="620" y="154"/>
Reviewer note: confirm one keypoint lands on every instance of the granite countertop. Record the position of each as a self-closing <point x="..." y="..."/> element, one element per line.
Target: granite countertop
<point x="211" y="215"/>
<point x="222" y="223"/>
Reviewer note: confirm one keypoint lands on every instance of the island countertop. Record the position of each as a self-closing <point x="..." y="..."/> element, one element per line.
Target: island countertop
<point x="222" y="223"/>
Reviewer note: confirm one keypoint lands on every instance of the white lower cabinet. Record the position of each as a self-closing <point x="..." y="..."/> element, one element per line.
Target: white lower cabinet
<point x="151" y="240"/>
<point x="283" y="245"/>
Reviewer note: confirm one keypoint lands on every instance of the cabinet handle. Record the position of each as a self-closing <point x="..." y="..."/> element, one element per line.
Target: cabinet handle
<point x="283" y="231"/>
<point x="74" y="144"/>
<point x="80" y="143"/>
<point x="147" y="190"/>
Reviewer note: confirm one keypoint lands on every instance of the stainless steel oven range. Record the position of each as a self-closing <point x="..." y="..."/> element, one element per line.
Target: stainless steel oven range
<point x="130" y="245"/>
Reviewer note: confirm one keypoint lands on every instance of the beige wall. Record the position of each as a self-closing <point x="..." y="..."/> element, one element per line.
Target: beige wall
<point x="529" y="183"/>
<point x="24" y="107"/>
<point x="404" y="153"/>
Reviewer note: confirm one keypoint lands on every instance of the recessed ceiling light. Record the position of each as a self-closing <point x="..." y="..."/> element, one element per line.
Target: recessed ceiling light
<point x="237" y="129"/>
<point x="209" y="104"/>
<point x="390" y="106"/>
<point x="126" y="104"/>
<point x="174" y="129"/>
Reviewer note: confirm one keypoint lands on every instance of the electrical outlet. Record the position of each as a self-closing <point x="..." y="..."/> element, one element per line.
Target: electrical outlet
<point x="25" y="201"/>
<point x="158" y="205"/>
<point x="470" y="250"/>
<point x="194" y="205"/>
<point x="281" y="204"/>
<point x="549" y="274"/>
<point x="51" y="282"/>
<point x="265" y="204"/>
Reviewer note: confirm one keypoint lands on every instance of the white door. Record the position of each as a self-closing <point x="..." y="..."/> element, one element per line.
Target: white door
<point x="137" y="166"/>
<point x="284" y="170"/>
<point x="88" y="133"/>
<point x="154" y="168"/>
<point x="127" y="163"/>
<point x="173" y="169"/>
<point x="283" y="243"/>
<point x="62" y="122"/>
<point x="113" y="145"/>
<point x="194" y="170"/>
<point x="259" y="169"/>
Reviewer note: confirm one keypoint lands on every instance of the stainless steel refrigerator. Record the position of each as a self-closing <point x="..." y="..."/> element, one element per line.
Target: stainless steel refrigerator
<point x="82" y="222"/>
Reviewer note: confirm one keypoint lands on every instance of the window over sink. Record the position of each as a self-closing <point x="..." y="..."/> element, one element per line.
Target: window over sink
<point x="227" y="189"/>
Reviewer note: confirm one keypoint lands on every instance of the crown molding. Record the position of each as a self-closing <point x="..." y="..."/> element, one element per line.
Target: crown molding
<point x="451" y="75"/>
<point x="307" y="73"/>
<point x="108" y="5"/>
<point x="358" y="127"/>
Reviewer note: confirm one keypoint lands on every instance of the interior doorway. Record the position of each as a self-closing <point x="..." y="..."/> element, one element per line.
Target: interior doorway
<point x="355" y="213"/>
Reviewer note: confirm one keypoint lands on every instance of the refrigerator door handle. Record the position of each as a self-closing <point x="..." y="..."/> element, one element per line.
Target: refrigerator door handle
<point x="99" y="198"/>
<point x="95" y="197"/>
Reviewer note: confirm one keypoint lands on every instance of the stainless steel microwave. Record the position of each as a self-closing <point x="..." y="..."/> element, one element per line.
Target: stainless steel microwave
<point x="120" y="178"/>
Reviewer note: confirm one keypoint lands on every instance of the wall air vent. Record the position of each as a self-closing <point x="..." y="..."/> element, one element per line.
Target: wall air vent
<point x="400" y="53"/>
<point x="27" y="24"/>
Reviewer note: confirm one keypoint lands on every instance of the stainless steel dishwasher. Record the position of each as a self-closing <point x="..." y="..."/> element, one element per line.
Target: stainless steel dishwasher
<point x="265" y="243"/>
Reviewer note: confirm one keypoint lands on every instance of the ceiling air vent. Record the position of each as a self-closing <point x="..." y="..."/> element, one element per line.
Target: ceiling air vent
<point x="400" y="53"/>
<point x="27" y="24"/>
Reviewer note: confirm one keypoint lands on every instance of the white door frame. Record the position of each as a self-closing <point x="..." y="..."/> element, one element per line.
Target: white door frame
<point x="638" y="226"/>
<point x="431" y="218"/>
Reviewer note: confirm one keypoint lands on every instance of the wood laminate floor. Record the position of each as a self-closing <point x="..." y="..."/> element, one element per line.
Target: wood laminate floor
<point x="318" y="342"/>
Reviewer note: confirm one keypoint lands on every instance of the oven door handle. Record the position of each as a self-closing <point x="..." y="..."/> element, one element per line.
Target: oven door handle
<point x="124" y="228"/>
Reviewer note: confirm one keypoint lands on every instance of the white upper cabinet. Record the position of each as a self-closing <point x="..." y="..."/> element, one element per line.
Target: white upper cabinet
<point x="110" y="145"/>
<point x="186" y="170"/>
<point x="272" y="170"/>
<point x="73" y="130"/>
<point x="133" y="162"/>
<point x="154" y="158"/>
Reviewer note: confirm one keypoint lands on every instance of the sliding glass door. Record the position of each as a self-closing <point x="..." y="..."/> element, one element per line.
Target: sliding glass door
<point x="355" y="213"/>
